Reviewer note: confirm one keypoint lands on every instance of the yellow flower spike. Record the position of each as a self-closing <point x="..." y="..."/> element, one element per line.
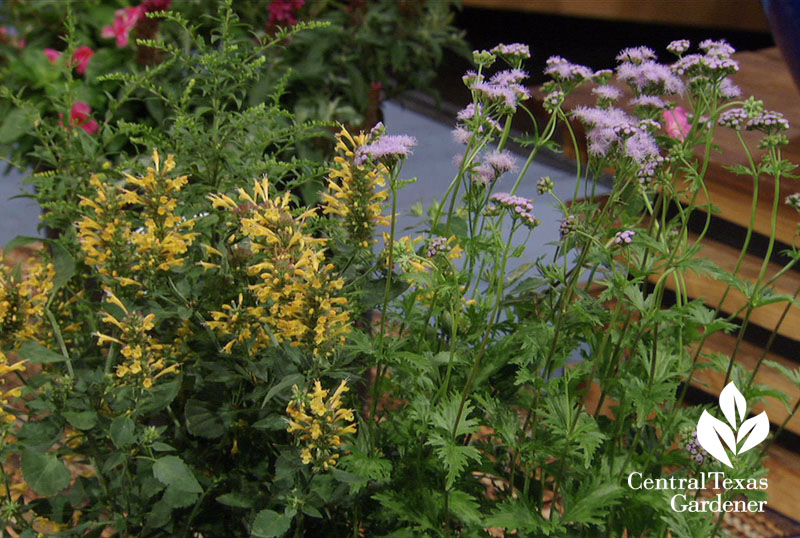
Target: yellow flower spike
<point x="156" y="161"/>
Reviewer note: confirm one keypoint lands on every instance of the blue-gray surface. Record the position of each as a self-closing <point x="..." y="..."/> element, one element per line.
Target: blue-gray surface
<point x="432" y="164"/>
<point x="18" y="216"/>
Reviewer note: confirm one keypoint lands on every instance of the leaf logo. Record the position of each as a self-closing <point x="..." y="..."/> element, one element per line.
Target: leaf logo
<point x="749" y="433"/>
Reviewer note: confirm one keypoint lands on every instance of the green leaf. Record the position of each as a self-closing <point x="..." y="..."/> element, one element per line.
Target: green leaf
<point x="82" y="420"/>
<point x="64" y="264"/>
<point x="202" y="421"/>
<point x="236" y="500"/>
<point x="122" y="432"/>
<point x="177" y="498"/>
<point x="453" y="456"/>
<point x="173" y="472"/>
<point x="35" y="352"/>
<point x="14" y="126"/>
<point x="269" y="524"/>
<point x="44" y="473"/>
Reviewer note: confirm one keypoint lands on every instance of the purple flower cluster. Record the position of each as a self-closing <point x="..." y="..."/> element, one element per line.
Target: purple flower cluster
<point x="694" y="448"/>
<point x="650" y="77"/>
<point x="793" y="200"/>
<point x="612" y="126"/>
<point x="624" y="237"/>
<point x="544" y="185"/>
<point x="768" y="122"/>
<point x="437" y="246"/>
<point x="735" y="118"/>
<point x="519" y="208"/>
<point x="501" y="162"/>
<point x="564" y="71"/>
<point x="648" y="101"/>
<point x="568" y="225"/>
<point x="636" y="55"/>
<point x="386" y="148"/>
<point x="729" y="90"/>
<point x="553" y="100"/>
<point x="504" y="87"/>
<point x="606" y="93"/>
<point x="714" y="63"/>
<point x="648" y="169"/>
<point x="679" y="46"/>
<point x="513" y="52"/>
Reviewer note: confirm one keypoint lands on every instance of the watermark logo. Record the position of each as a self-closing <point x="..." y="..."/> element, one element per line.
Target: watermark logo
<point x="739" y="436"/>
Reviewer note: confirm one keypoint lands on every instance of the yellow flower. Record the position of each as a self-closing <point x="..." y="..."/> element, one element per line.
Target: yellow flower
<point x="294" y="291"/>
<point x="356" y="193"/>
<point x="320" y="432"/>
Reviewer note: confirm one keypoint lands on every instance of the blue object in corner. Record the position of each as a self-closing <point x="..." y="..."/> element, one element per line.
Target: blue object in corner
<point x="784" y="21"/>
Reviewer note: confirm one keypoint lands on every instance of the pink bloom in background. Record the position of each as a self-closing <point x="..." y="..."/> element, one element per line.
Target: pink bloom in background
<point x="283" y="12"/>
<point x="80" y="59"/>
<point x="155" y="5"/>
<point x="124" y="21"/>
<point x="52" y="55"/>
<point x="675" y="123"/>
<point x="79" y="116"/>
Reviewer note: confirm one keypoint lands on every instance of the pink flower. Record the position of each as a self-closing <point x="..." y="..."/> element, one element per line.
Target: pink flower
<point x="91" y="127"/>
<point x="52" y="55"/>
<point x="80" y="59"/>
<point x="79" y="116"/>
<point x="675" y="123"/>
<point x="124" y="21"/>
<point x="283" y="12"/>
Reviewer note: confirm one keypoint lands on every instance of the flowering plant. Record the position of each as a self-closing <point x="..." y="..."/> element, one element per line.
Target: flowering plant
<point x="237" y="363"/>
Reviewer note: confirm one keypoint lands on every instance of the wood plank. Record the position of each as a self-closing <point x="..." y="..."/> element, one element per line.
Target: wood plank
<point x="712" y="381"/>
<point x="734" y="14"/>
<point x="712" y="291"/>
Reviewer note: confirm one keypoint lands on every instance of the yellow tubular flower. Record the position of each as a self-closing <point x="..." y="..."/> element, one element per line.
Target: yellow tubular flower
<point x="356" y="193"/>
<point x="295" y="292"/>
<point x="320" y="431"/>
<point x="133" y="229"/>
<point x="144" y="358"/>
<point x="22" y="303"/>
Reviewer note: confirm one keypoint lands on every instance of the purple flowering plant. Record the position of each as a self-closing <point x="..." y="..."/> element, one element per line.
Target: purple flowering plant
<point x="528" y="396"/>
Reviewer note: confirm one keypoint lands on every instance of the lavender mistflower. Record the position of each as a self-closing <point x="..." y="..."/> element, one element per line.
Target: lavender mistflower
<point x="641" y="146"/>
<point x="509" y="76"/>
<point x="729" y="90"/>
<point x="461" y="135"/>
<point x="609" y="93"/>
<point x="649" y="101"/>
<point x="544" y="185"/>
<point x="679" y="46"/>
<point x="636" y="55"/>
<point x="606" y="126"/>
<point x="768" y="122"/>
<point x="717" y="48"/>
<point x="389" y="147"/>
<point x="501" y="161"/>
<point x="648" y="169"/>
<point x="436" y="246"/>
<point x="564" y="71"/>
<point x="650" y="76"/>
<point x="735" y="118"/>
<point x="624" y="237"/>
<point x="602" y="76"/>
<point x="470" y="78"/>
<point x="553" y="100"/>
<point x="568" y="225"/>
<point x="469" y="112"/>
<point x="687" y="63"/>
<point x="498" y="92"/>
<point x="458" y="159"/>
<point x="518" y="207"/>
<point x="513" y="51"/>
<point x="793" y="200"/>
<point x="484" y="174"/>
<point x="694" y="448"/>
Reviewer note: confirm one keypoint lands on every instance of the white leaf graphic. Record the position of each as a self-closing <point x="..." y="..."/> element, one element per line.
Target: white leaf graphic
<point x="709" y="430"/>
<point x="730" y="401"/>
<point x="759" y="425"/>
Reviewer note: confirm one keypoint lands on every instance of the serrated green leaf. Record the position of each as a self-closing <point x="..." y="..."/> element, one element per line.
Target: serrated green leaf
<point x="173" y="472"/>
<point x="44" y="472"/>
<point x="270" y="524"/>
